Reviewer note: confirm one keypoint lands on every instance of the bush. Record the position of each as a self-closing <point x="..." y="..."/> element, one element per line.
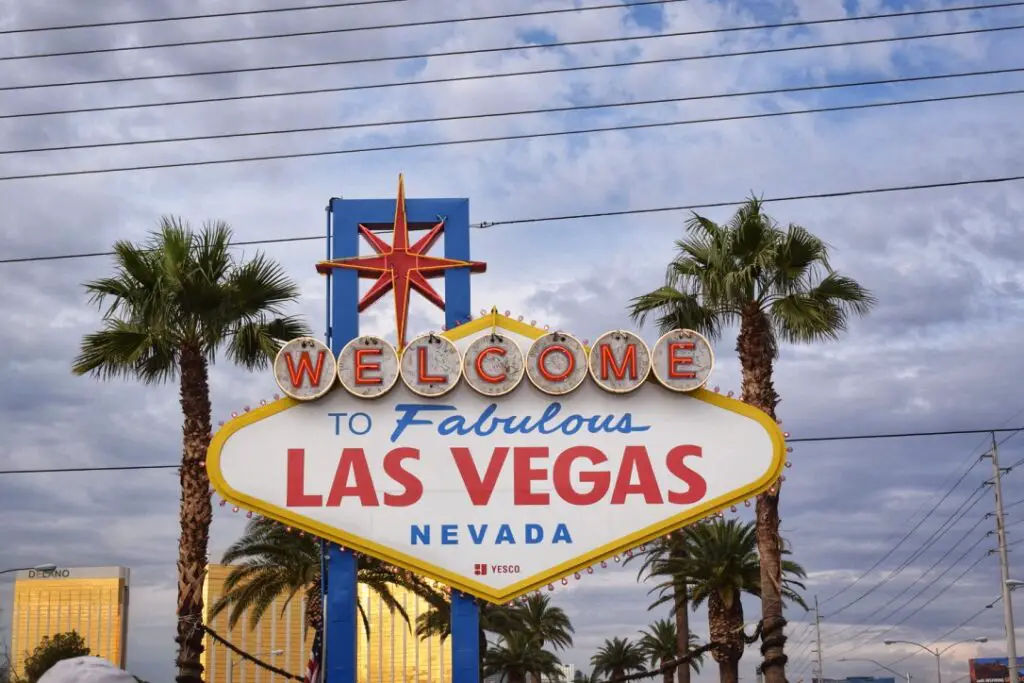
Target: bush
<point x="52" y="650"/>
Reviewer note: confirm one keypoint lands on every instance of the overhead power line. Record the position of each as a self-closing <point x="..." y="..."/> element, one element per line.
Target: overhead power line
<point x="450" y="79"/>
<point x="636" y="212"/>
<point x="379" y="27"/>
<point x="494" y="138"/>
<point x="192" y="17"/>
<point x="462" y="20"/>
<point x="512" y="48"/>
<point x="123" y="468"/>
<point x="528" y="112"/>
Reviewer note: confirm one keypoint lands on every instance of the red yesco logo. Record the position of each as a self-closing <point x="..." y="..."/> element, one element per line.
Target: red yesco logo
<point x="479" y="569"/>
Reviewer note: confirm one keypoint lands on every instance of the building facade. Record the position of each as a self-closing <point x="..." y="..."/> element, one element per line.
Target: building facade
<point x="93" y="601"/>
<point x="993" y="669"/>
<point x="391" y="654"/>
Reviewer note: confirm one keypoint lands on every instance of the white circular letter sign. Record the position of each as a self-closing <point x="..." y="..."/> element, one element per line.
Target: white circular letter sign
<point x="682" y="360"/>
<point x="368" y="367"/>
<point x="431" y="365"/>
<point x="305" y="369"/>
<point x="620" y="361"/>
<point x="556" y="363"/>
<point x="493" y="365"/>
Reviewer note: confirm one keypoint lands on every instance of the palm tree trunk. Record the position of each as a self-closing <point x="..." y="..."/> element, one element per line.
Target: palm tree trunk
<point x="314" y="603"/>
<point x="725" y="624"/>
<point x="681" y="599"/>
<point x="666" y="677"/>
<point x="755" y="346"/>
<point x="482" y="644"/>
<point x="195" y="514"/>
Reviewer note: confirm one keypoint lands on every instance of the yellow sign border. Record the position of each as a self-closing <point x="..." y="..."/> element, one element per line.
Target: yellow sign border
<point x="463" y="583"/>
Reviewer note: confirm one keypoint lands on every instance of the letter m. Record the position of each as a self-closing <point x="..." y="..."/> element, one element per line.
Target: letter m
<point x="609" y="366"/>
<point x="296" y="372"/>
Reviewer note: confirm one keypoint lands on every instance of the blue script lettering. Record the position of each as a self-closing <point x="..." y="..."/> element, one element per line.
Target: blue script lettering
<point x="532" y="534"/>
<point x="487" y="423"/>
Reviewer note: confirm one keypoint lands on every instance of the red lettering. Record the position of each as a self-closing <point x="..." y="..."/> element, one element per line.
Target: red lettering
<point x="674" y="361"/>
<point x="421" y="369"/>
<point x="561" y="476"/>
<point x="479" y="488"/>
<point x="295" y="482"/>
<point x="636" y="459"/>
<point x="353" y="462"/>
<point x="628" y="359"/>
<point x="295" y="374"/>
<point x="523" y="493"/>
<point x="485" y="376"/>
<point x="569" y="358"/>
<point x="696" y="486"/>
<point x="413" y="487"/>
<point x="362" y="366"/>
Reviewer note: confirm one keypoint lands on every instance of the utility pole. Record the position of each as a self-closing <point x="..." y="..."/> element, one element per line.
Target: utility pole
<point x="1004" y="565"/>
<point x="817" y="628"/>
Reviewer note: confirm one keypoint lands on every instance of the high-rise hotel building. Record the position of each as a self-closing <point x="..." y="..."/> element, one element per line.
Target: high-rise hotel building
<point x="392" y="654"/>
<point x="90" y="600"/>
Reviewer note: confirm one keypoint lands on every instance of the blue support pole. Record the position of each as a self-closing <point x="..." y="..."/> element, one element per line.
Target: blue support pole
<point x="465" y="639"/>
<point x="340" y="567"/>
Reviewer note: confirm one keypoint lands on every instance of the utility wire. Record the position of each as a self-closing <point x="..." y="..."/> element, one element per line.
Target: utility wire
<point x="123" y="468"/>
<point x="526" y="112"/>
<point x="499" y="138"/>
<point x="462" y="20"/>
<point x="349" y="88"/>
<point x="633" y="212"/>
<point x="415" y="24"/>
<point x="191" y="17"/>
<point x="513" y="48"/>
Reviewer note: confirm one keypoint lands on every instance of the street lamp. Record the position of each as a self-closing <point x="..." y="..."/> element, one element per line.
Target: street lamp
<point x="39" y="568"/>
<point x="937" y="653"/>
<point x="878" y="664"/>
<point x="233" y="660"/>
<point x="1014" y="584"/>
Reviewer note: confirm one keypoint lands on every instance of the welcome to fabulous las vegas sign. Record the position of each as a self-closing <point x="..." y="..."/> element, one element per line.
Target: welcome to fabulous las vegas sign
<point x="496" y="457"/>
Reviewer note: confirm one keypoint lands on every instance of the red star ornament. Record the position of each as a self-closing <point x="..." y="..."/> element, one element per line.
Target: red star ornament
<point x="400" y="266"/>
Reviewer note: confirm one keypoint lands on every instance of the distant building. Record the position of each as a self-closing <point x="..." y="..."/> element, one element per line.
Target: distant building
<point x="93" y="601"/>
<point x="993" y="669"/>
<point x="392" y="652"/>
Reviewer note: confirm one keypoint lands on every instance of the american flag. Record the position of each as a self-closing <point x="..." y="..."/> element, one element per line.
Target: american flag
<point x="314" y="670"/>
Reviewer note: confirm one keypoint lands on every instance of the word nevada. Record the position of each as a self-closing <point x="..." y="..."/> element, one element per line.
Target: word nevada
<point x="494" y="364"/>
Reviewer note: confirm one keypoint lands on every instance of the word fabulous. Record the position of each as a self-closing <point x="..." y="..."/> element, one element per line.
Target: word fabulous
<point x="494" y="365"/>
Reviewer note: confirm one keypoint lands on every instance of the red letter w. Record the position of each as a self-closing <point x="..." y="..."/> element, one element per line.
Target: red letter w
<point x="305" y="368"/>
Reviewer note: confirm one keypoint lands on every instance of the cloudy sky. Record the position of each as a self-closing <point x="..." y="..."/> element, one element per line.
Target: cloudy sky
<point x="939" y="352"/>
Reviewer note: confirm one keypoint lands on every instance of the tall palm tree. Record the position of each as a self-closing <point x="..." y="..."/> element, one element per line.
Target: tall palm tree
<point x="779" y="286"/>
<point x="172" y="304"/>
<point x="660" y="645"/>
<point x="617" y="657"/>
<point x="671" y="547"/>
<point x="517" y="655"/>
<point x="721" y="564"/>
<point x="273" y="561"/>
<point x="545" y="623"/>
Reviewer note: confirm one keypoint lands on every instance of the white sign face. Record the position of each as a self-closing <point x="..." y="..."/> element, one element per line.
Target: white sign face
<point x="496" y="497"/>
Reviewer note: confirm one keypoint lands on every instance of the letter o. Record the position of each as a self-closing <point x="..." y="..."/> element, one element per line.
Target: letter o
<point x="556" y="363"/>
<point x="351" y="419"/>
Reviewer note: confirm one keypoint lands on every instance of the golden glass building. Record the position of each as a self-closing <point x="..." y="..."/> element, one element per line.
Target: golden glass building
<point x="392" y="654"/>
<point x="90" y="600"/>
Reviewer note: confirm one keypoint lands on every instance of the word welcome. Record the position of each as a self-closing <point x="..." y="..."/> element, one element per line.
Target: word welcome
<point x="481" y="534"/>
<point x="556" y="363"/>
<point x="537" y="476"/>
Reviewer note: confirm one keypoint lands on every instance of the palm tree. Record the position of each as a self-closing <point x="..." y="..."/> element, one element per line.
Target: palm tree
<point x="273" y="561"/>
<point x="721" y="564"/>
<point x="517" y="655"/>
<point x="671" y="547"/>
<point x="778" y="285"/>
<point x="617" y="657"/>
<point x="174" y="303"/>
<point x="545" y="623"/>
<point x="660" y="645"/>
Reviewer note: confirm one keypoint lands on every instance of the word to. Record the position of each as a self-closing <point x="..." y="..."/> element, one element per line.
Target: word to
<point x="494" y="365"/>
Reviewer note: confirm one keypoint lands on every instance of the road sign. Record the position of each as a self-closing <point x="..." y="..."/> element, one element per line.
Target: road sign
<point x="499" y="486"/>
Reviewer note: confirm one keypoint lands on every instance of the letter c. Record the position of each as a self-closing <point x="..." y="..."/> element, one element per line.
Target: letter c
<point x="485" y="376"/>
